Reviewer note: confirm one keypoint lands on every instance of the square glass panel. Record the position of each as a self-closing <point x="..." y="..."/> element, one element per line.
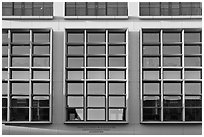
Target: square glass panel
<point x="117" y="37"/>
<point x="151" y="62"/>
<point x="75" y="50"/>
<point x="193" y="88"/>
<point x="75" y="37"/>
<point x="171" y="50"/>
<point x="40" y="101"/>
<point x="192" y="37"/>
<point x="172" y="61"/>
<point x="4" y="88"/>
<point x="20" y="88"/>
<point x="19" y="114"/>
<point x="41" y="74"/>
<point x="38" y="50"/>
<point x="112" y="9"/>
<point x="41" y="37"/>
<point x="75" y="62"/>
<point x="194" y="49"/>
<point x="101" y="9"/>
<point x="20" y="74"/>
<point x="74" y="114"/>
<point x="38" y="9"/>
<point x="151" y="50"/>
<point x="151" y="75"/>
<point x="96" y="37"/>
<point x="75" y="101"/>
<point x="96" y="88"/>
<point x="20" y="62"/>
<point x="75" y="88"/>
<point x="94" y="50"/>
<point x="4" y="114"/>
<point x="70" y="9"/>
<point x="151" y="37"/>
<point x="21" y="37"/>
<point x="4" y="74"/>
<point x="151" y="101"/>
<point x="116" y="74"/>
<point x="172" y="74"/>
<point x="114" y="50"/>
<point x="192" y="74"/>
<point x="122" y="9"/>
<point x="193" y="101"/>
<point x="116" y="62"/>
<point x="172" y="88"/>
<point x="75" y="75"/>
<point x="117" y="88"/>
<point x="171" y="37"/>
<point x="4" y="62"/>
<point x="151" y="114"/>
<point x="40" y="114"/>
<point x="117" y="114"/>
<point x="81" y="9"/>
<point x="96" y="114"/>
<point x="96" y="62"/>
<point x="19" y="101"/>
<point x="154" y="9"/>
<point x="192" y="61"/>
<point x="41" y="61"/>
<point x="172" y="114"/>
<point x="172" y="101"/>
<point x="5" y="50"/>
<point x="20" y="50"/>
<point x="7" y="9"/>
<point x="151" y="88"/>
<point x="117" y="101"/>
<point x="41" y="88"/>
<point x="4" y="102"/>
<point x="193" y="114"/>
<point x="4" y="37"/>
<point x="96" y="74"/>
<point x="96" y="101"/>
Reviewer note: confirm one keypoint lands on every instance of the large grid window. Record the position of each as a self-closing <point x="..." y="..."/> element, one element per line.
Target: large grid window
<point x="96" y="75"/>
<point x="171" y="75"/>
<point x="170" y="8"/>
<point x="27" y="8"/>
<point x="27" y="77"/>
<point x="96" y="9"/>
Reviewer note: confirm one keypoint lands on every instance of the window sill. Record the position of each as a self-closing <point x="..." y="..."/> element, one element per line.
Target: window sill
<point x="95" y="17"/>
<point x="171" y="122"/>
<point x="170" y="17"/>
<point x="27" y="17"/>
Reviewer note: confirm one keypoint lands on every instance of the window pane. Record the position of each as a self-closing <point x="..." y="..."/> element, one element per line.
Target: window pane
<point x="196" y="8"/>
<point x="192" y="74"/>
<point x="74" y="114"/>
<point x="117" y="88"/>
<point x="4" y="74"/>
<point x="116" y="37"/>
<point x="96" y="37"/>
<point x="122" y="9"/>
<point x="192" y="88"/>
<point x="172" y="101"/>
<point x="28" y="9"/>
<point x="4" y="50"/>
<point x="20" y="74"/>
<point x="41" y="74"/>
<point x="170" y="50"/>
<point x="193" y="101"/>
<point x="172" y="114"/>
<point x="117" y="74"/>
<point x="75" y="50"/>
<point x="165" y="9"/>
<point x="17" y="9"/>
<point x="80" y="8"/>
<point x="7" y="9"/>
<point x="20" y="62"/>
<point x="95" y="101"/>
<point x="19" y="101"/>
<point x="112" y="8"/>
<point x="151" y="38"/>
<point x="4" y="102"/>
<point x="175" y="9"/>
<point x="151" y="101"/>
<point x="21" y="37"/>
<point x="75" y="88"/>
<point x="41" y="37"/>
<point x="95" y="114"/>
<point x="20" y="88"/>
<point x="38" y="8"/>
<point x="96" y="74"/>
<point x="193" y="114"/>
<point x="192" y="37"/>
<point x="154" y="9"/>
<point x="4" y="62"/>
<point x="186" y="8"/>
<point x="75" y="75"/>
<point x="41" y="50"/>
<point x="40" y="114"/>
<point x="151" y="50"/>
<point x="172" y="74"/>
<point x="75" y="101"/>
<point x="19" y="114"/>
<point x="41" y="61"/>
<point x="151" y="62"/>
<point x="117" y="114"/>
<point x="171" y="37"/>
<point x="4" y="114"/>
<point x="41" y="88"/>
<point x="40" y="101"/>
<point x="144" y="8"/>
<point x="4" y="37"/>
<point x="75" y="37"/>
<point x="70" y="9"/>
<point x="4" y="88"/>
<point x="116" y="101"/>
<point x="114" y="50"/>
<point x="19" y="50"/>
<point x="96" y="62"/>
<point x="92" y="50"/>
<point x="195" y="49"/>
<point x="151" y="75"/>
<point x="172" y="61"/>
<point x="101" y="9"/>
<point x="151" y="114"/>
<point x="192" y="61"/>
<point x="172" y="88"/>
<point x="117" y="62"/>
<point x="48" y="8"/>
<point x="151" y="88"/>
<point x="75" y="62"/>
<point x="96" y="88"/>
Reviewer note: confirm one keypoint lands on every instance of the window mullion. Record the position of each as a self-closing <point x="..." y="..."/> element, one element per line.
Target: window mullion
<point x="85" y="75"/>
<point x="183" y="82"/>
<point x="107" y="96"/>
<point x="30" y="84"/>
<point x="161" y="76"/>
<point x="8" y="93"/>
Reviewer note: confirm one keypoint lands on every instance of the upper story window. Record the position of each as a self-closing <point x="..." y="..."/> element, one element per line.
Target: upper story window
<point x="170" y="8"/>
<point x="96" y="9"/>
<point x="27" y="9"/>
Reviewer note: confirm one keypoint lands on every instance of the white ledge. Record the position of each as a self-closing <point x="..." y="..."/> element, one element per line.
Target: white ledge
<point x="26" y="17"/>
<point x="170" y="17"/>
<point x="95" y="17"/>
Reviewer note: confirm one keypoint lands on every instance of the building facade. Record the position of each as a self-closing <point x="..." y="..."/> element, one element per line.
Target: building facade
<point x="102" y="68"/>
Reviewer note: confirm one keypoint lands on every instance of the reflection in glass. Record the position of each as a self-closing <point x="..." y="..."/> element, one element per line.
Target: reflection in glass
<point x="172" y="74"/>
<point x="19" y="114"/>
<point x="170" y="50"/>
<point x="172" y="114"/>
<point x="151" y="50"/>
<point x="95" y="74"/>
<point x="192" y="61"/>
<point x="116" y="37"/>
<point x="93" y="50"/>
<point x="172" y="101"/>
<point x="194" y="49"/>
<point x="193" y="88"/>
<point x="75" y="50"/>
<point x="41" y="37"/>
<point x="95" y="101"/>
<point x="172" y="88"/>
<point x="151" y="88"/>
<point x="116" y="101"/>
<point x="41" y="61"/>
<point x="117" y="114"/>
<point x="74" y="114"/>
<point x="75" y="101"/>
<point x="192" y="74"/>
<point x="193" y="101"/>
<point x="117" y="88"/>
<point x="21" y="37"/>
<point x="20" y="88"/>
<point x="40" y="114"/>
<point x="40" y="101"/>
<point x="151" y="101"/>
<point x="75" y="62"/>
<point x="75" y="37"/>
<point x="171" y="61"/>
<point x="151" y="75"/>
<point x="114" y="50"/>
<point x="75" y="88"/>
<point x="151" y="61"/>
<point x="20" y="74"/>
<point x="41" y="50"/>
<point x="116" y="61"/>
<point x="96" y="88"/>
<point x="96" y="37"/>
<point x="19" y="101"/>
<point x="171" y="37"/>
<point x="41" y="74"/>
<point x="95" y="114"/>
<point x="113" y="74"/>
<point x="151" y="37"/>
<point x="20" y="61"/>
<point x="41" y="88"/>
<point x="20" y="50"/>
<point x="96" y="62"/>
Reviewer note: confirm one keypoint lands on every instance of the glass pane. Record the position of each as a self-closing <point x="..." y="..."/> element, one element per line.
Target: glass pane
<point x="117" y="101"/>
<point x="4" y="114"/>
<point x="20" y="62"/>
<point x="70" y="9"/>
<point x="75" y="37"/>
<point x="28" y="9"/>
<point x="19" y="101"/>
<point x="96" y="88"/>
<point x="165" y="10"/>
<point x="96" y="37"/>
<point x="41" y="61"/>
<point x="20" y="88"/>
<point x="151" y="38"/>
<point x="4" y="88"/>
<point x="192" y="37"/>
<point x="172" y="61"/>
<point x="19" y="114"/>
<point x="116" y="37"/>
<point x="117" y="74"/>
<point x="92" y="50"/>
<point x="95" y="101"/>
<point x="151" y="114"/>
<point x="41" y="74"/>
<point x="154" y="9"/>
<point x="192" y="61"/>
<point x="188" y="50"/>
<point x="75" y="75"/>
<point x="193" y="114"/>
<point x="48" y="8"/>
<point x="117" y="114"/>
<point x="193" y="101"/>
<point x="117" y="62"/>
<point x="175" y="9"/>
<point x="41" y="88"/>
<point x="193" y="88"/>
<point x="101" y="9"/>
<point x="170" y="50"/>
<point x="41" y="50"/>
<point x="7" y="9"/>
<point x="172" y="101"/>
<point x="151" y="88"/>
<point x="144" y="8"/>
<point x="80" y="8"/>
<point x="172" y="74"/>
<point x="40" y="101"/>
<point x="4" y="102"/>
<point x="4" y="50"/>
<point x="40" y="114"/>
<point x="122" y="9"/>
<point x="117" y="88"/>
<point x="75" y="50"/>
<point x="96" y="74"/>
<point x="151" y="61"/>
<point x="172" y="114"/>
<point x="151" y="101"/>
<point x="95" y="114"/>
<point x="20" y="74"/>
<point x="4" y="62"/>
<point x="41" y="37"/>
<point x="171" y="37"/>
<point x="96" y="62"/>
<point x="112" y="8"/>
<point x="17" y="9"/>
<point x="151" y="50"/>
<point x="74" y="114"/>
<point x="151" y="75"/>
<point x="114" y="50"/>
<point x="75" y="62"/>
<point x="172" y="88"/>
<point x="75" y="88"/>
<point x="4" y="74"/>
<point x="192" y="74"/>
<point x="38" y="9"/>
<point x="20" y="50"/>
<point x="75" y="101"/>
<point x="21" y="37"/>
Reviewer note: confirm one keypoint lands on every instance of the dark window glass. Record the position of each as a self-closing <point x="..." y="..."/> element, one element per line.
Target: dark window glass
<point x="20" y="88"/>
<point x="19" y="101"/>
<point x="175" y="9"/>
<point x="91" y="8"/>
<point x="70" y="9"/>
<point x="40" y="114"/>
<point x="74" y="114"/>
<point x="151" y="101"/>
<point x="41" y="88"/>
<point x="172" y="114"/>
<point x="80" y="8"/>
<point x="20" y="50"/>
<point x="193" y="114"/>
<point x="144" y="9"/>
<point x="41" y="37"/>
<point x="154" y="9"/>
<point x="114" y="50"/>
<point x="17" y="8"/>
<point x="19" y="114"/>
<point x="193" y="101"/>
<point x="38" y="9"/>
<point x="172" y="101"/>
<point x="75" y="88"/>
<point x="122" y="9"/>
<point x="4" y="114"/>
<point x="171" y="37"/>
<point x="7" y="9"/>
<point x="48" y="9"/>
<point x="101" y="9"/>
<point x="4" y="102"/>
<point x="151" y="114"/>
<point x="192" y="37"/>
<point x="117" y="114"/>
<point x="40" y="101"/>
<point x="96" y="114"/>
<point x="196" y="8"/>
<point x="27" y="11"/>
<point x="112" y="9"/>
<point x="165" y="9"/>
<point x="186" y="8"/>
<point x="41" y="61"/>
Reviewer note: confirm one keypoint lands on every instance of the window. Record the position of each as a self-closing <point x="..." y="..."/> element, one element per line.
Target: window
<point x="96" y="75"/>
<point x="27" y="9"/>
<point x="27" y="81"/>
<point x="171" y="75"/>
<point x="96" y="9"/>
